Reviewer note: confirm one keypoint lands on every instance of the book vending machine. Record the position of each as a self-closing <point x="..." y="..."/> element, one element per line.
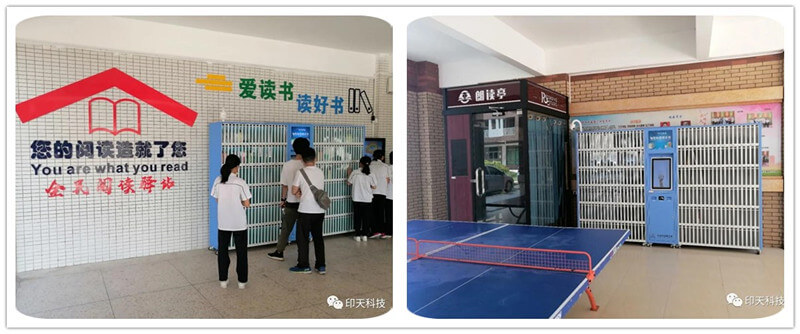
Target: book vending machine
<point x="263" y="148"/>
<point x="688" y="185"/>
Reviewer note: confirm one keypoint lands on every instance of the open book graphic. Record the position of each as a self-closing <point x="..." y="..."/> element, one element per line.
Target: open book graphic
<point x="121" y="115"/>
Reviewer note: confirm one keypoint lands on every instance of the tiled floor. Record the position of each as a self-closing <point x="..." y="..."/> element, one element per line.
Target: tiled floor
<point x="690" y="282"/>
<point x="185" y="285"/>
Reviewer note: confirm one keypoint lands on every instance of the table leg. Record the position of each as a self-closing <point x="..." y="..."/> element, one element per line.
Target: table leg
<point x="591" y="299"/>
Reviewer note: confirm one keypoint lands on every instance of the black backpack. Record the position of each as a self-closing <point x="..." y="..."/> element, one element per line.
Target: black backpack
<point x="321" y="196"/>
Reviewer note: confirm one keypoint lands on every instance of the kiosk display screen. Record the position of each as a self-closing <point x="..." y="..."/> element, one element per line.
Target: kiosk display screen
<point x="661" y="173"/>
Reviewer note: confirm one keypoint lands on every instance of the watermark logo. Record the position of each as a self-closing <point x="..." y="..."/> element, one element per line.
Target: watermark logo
<point x="334" y="302"/>
<point x="734" y="299"/>
<point x="365" y="303"/>
<point x="737" y="301"/>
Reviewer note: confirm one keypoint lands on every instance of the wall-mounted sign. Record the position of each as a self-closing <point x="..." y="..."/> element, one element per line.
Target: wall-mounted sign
<point x="356" y="99"/>
<point x="215" y="82"/>
<point x="298" y="131"/>
<point x="95" y="151"/>
<point x="546" y="98"/>
<point x="659" y="140"/>
<point x="373" y="144"/>
<point x="111" y="78"/>
<point x="768" y="114"/>
<point x="483" y="95"/>
<point x="267" y="89"/>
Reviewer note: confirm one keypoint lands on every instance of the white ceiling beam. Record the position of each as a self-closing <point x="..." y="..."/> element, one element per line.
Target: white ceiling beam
<point x="736" y="36"/>
<point x="490" y="35"/>
<point x="703" y="28"/>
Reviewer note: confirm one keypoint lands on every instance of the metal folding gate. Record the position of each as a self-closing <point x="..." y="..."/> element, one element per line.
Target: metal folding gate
<point x="719" y="184"/>
<point x="611" y="181"/>
<point x="263" y="148"/>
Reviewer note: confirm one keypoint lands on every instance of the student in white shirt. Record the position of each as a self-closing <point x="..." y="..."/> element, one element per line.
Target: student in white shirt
<point x="389" y="200"/>
<point x="381" y="171"/>
<point x="233" y="196"/>
<point x="289" y="202"/>
<point x="363" y="182"/>
<point x="311" y="215"/>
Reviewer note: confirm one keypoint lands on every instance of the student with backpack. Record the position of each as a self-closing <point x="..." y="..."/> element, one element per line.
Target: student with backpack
<point x="289" y="202"/>
<point x="308" y="186"/>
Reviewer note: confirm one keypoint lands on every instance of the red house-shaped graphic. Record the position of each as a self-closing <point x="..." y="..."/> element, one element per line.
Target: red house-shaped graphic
<point x="77" y="91"/>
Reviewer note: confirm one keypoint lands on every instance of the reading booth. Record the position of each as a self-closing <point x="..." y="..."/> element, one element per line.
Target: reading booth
<point x="507" y="153"/>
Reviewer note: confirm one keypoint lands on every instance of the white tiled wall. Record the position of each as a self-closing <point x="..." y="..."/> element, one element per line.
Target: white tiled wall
<point x="75" y="229"/>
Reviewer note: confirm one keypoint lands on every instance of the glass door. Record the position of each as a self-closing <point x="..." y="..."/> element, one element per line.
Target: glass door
<point x="498" y="169"/>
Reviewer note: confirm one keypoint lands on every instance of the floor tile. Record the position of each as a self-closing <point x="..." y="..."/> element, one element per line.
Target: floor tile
<point x="690" y="282"/>
<point x="185" y="285"/>
<point x="308" y="312"/>
<point x="36" y="295"/>
<point x="140" y="278"/>
<point x="183" y="302"/>
<point x="261" y="297"/>
<point x="198" y="268"/>
<point x="96" y="310"/>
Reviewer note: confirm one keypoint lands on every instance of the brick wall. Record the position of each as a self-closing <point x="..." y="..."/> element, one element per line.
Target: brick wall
<point x="427" y="189"/>
<point x="714" y="76"/>
<point x="559" y="82"/>
<point x="773" y="219"/>
<point x="754" y="72"/>
<point x="414" y="180"/>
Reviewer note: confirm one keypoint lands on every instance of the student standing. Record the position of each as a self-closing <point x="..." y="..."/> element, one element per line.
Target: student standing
<point x="389" y="200"/>
<point x="233" y="196"/>
<point x="381" y="171"/>
<point x="289" y="202"/>
<point x="363" y="182"/>
<point x="311" y="215"/>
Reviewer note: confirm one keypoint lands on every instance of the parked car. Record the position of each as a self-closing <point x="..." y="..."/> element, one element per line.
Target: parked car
<point x="497" y="181"/>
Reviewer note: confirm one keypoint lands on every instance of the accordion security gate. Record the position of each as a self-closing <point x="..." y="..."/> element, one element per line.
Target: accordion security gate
<point x="611" y="181"/>
<point x="263" y="148"/>
<point x="338" y="147"/>
<point x="719" y="184"/>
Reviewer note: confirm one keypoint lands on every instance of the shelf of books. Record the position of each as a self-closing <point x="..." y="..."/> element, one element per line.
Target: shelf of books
<point x="263" y="148"/>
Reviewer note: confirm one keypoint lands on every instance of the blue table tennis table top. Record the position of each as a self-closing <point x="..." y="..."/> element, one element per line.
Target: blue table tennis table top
<point x="445" y="289"/>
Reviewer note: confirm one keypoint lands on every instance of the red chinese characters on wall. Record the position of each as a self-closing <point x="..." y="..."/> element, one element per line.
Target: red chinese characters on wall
<point x="106" y="185"/>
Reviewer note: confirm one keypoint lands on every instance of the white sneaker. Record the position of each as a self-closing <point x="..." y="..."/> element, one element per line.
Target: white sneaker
<point x="357" y="238"/>
<point x="364" y="238"/>
<point x="223" y="284"/>
<point x="241" y="285"/>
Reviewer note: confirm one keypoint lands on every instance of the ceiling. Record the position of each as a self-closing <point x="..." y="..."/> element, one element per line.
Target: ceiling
<point x="351" y="33"/>
<point x="471" y="49"/>
<point x="564" y="31"/>
<point x="427" y="43"/>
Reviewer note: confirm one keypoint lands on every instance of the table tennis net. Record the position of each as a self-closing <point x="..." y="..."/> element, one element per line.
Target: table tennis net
<point x="531" y="258"/>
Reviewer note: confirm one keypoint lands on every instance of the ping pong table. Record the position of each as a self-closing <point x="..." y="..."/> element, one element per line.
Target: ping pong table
<point x="450" y="274"/>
